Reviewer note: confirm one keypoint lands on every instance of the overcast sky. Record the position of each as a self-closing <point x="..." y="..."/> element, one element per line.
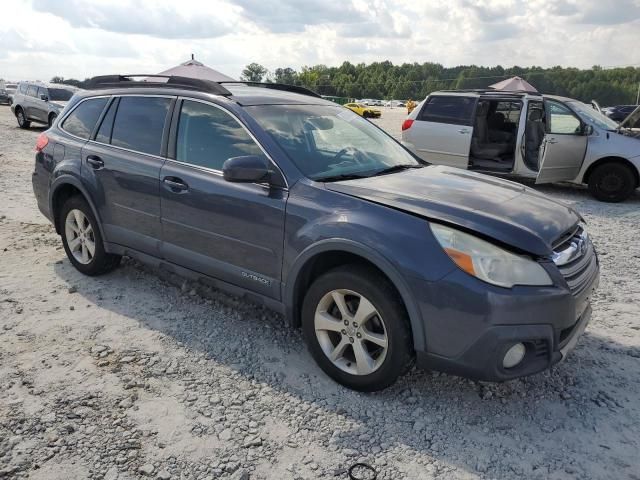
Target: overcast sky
<point x="82" y="38"/>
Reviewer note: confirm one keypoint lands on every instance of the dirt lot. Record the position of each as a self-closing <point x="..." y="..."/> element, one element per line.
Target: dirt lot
<point x="139" y="374"/>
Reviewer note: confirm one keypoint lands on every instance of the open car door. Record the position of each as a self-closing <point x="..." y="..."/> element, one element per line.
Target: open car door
<point x="564" y="145"/>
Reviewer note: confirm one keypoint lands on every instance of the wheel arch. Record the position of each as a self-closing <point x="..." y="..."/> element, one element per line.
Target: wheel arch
<point x="327" y="254"/>
<point x="611" y="159"/>
<point x="65" y="187"/>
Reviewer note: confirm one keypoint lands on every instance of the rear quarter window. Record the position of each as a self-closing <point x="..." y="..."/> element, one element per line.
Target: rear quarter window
<point x="83" y="118"/>
<point x="454" y="110"/>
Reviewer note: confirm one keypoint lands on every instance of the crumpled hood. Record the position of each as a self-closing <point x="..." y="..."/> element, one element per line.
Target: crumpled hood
<point x="499" y="209"/>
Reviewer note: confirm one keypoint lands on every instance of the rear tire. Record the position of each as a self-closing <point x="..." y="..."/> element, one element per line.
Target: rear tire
<point x="22" y="119"/>
<point x="82" y="239"/>
<point x="374" y="347"/>
<point x="612" y="182"/>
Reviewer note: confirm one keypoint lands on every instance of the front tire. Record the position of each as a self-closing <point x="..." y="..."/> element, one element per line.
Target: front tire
<point x="612" y="182"/>
<point x="22" y="119"/>
<point x="82" y="240"/>
<point x="357" y="328"/>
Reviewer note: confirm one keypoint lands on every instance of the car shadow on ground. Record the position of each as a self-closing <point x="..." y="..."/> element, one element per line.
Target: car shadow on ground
<point x="520" y="428"/>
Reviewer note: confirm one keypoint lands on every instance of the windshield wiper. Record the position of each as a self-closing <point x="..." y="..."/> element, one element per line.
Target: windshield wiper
<point x="342" y="176"/>
<point x="396" y="168"/>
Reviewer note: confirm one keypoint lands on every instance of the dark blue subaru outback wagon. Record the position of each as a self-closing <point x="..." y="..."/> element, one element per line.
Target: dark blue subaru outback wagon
<point x="274" y="193"/>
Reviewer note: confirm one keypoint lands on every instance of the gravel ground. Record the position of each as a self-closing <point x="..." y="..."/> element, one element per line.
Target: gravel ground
<point x="140" y="374"/>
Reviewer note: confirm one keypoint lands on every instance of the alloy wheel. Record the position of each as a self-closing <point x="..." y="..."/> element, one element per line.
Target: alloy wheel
<point x="351" y="332"/>
<point x="80" y="237"/>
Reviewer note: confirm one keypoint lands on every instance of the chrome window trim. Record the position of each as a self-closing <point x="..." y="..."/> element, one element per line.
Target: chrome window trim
<point x="235" y="117"/>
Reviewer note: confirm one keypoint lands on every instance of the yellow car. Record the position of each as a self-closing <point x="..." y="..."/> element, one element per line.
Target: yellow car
<point x="363" y="110"/>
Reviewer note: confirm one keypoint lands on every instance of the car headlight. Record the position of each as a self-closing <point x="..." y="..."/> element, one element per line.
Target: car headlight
<point x="488" y="262"/>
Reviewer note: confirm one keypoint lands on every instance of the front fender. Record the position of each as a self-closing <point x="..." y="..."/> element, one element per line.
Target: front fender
<point x="368" y="253"/>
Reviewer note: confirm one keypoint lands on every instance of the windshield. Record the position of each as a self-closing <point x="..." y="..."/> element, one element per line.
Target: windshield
<point x="589" y="115"/>
<point x="327" y="142"/>
<point x="60" y="94"/>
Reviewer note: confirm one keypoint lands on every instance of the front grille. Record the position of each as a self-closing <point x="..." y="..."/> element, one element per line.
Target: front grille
<point x="576" y="259"/>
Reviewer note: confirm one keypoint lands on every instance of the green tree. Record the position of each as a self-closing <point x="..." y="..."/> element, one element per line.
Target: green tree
<point x="254" y="72"/>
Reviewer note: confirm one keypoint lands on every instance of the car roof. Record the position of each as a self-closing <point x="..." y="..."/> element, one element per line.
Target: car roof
<point x="38" y="83"/>
<point x="244" y="95"/>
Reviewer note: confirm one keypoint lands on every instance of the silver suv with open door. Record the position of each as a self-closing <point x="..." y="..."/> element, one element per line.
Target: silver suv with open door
<point x="523" y="134"/>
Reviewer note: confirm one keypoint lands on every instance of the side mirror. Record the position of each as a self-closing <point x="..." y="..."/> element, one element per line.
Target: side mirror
<point x="247" y="169"/>
<point x="587" y="130"/>
<point x="44" y="97"/>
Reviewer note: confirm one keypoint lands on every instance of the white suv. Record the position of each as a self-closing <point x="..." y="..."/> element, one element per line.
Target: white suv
<point x="524" y="134"/>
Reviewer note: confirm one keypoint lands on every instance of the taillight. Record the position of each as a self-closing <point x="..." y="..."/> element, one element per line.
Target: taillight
<point x="406" y="125"/>
<point x="41" y="142"/>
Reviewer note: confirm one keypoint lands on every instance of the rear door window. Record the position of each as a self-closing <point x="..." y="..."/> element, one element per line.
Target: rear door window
<point x="84" y="117"/>
<point x="208" y="136"/>
<point x="60" y="94"/>
<point x="139" y="124"/>
<point x="455" y="110"/>
<point x="23" y="88"/>
<point x="32" y="91"/>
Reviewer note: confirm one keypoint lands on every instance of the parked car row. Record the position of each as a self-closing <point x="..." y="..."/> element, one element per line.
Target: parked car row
<point x="40" y="102"/>
<point x="7" y="93"/>
<point x="619" y="112"/>
<point x="544" y="137"/>
<point x="381" y="258"/>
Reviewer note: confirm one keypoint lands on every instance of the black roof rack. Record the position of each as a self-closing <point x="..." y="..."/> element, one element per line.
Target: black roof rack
<point x="127" y="81"/>
<point x="492" y="91"/>
<point x="277" y="86"/>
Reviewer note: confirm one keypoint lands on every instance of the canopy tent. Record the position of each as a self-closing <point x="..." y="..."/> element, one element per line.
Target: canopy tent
<point x="196" y="69"/>
<point x="513" y="84"/>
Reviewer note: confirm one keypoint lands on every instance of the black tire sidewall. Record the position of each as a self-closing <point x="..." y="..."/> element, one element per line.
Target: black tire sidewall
<point x="97" y="263"/>
<point x="601" y="172"/>
<point x="52" y="118"/>
<point x="384" y="297"/>
<point x="25" y="123"/>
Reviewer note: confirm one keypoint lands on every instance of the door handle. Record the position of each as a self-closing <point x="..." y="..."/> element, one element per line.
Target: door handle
<point x="95" y="162"/>
<point x="552" y="141"/>
<point x="175" y="184"/>
<point x="463" y="130"/>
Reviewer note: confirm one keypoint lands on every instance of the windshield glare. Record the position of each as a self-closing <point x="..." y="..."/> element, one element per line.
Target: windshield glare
<point x="588" y="114"/>
<point x="330" y="141"/>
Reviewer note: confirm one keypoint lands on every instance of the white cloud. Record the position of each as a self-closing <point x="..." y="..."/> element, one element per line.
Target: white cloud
<point x="82" y="38"/>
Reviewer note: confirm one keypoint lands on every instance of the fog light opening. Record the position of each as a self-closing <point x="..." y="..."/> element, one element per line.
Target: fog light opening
<point x="514" y="355"/>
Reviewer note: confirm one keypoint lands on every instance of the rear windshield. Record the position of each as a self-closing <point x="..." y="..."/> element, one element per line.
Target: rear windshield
<point x="60" y="94"/>
<point x="330" y="141"/>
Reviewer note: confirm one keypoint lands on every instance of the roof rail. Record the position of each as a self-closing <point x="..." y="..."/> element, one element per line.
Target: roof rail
<point x="492" y="91"/>
<point x="127" y="81"/>
<point x="278" y="86"/>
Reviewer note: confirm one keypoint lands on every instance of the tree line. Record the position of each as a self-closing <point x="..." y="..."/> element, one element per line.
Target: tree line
<point x="384" y="80"/>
